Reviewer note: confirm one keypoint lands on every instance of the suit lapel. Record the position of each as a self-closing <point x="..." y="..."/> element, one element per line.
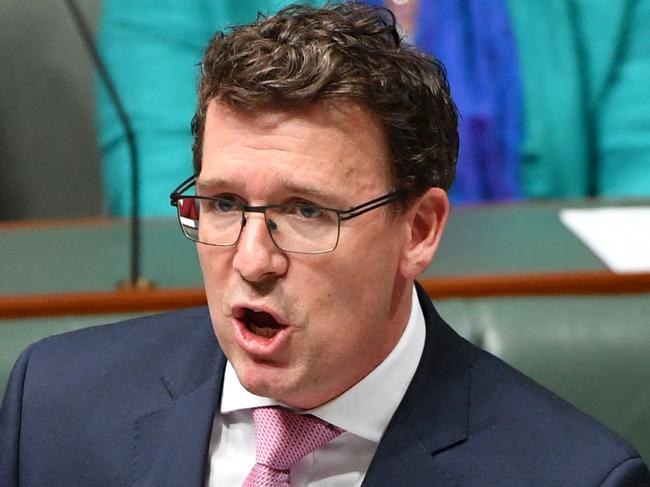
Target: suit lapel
<point x="433" y="415"/>
<point x="171" y="443"/>
<point x="402" y="459"/>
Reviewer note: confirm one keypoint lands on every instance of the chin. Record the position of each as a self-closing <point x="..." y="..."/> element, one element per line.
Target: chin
<point x="264" y="380"/>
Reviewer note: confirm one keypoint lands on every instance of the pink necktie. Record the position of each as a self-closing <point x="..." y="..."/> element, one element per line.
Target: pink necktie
<point x="283" y="438"/>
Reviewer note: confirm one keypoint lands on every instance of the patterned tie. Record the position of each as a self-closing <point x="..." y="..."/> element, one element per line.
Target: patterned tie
<point x="283" y="438"/>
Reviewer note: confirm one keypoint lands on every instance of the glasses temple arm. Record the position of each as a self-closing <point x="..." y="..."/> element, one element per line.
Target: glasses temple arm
<point x="184" y="186"/>
<point x="370" y="205"/>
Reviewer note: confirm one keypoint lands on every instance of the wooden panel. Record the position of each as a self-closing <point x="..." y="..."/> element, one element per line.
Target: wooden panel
<point x="538" y="284"/>
<point x="151" y="300"/>
<point x="120" y="301"/>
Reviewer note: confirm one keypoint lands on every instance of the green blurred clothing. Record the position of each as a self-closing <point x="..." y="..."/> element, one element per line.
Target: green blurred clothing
<point x="586" y="71"/>
<point x="152" y="50"/>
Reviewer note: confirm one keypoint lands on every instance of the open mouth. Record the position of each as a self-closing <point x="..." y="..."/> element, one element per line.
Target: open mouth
<point x="260" y="323"/>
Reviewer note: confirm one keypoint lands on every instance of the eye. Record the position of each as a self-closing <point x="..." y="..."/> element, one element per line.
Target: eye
<point x="309" y="212"/>
<point x="225" y="205"/>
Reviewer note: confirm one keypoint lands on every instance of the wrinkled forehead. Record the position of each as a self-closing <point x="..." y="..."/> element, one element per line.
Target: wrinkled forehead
<point x="339" y="138"/>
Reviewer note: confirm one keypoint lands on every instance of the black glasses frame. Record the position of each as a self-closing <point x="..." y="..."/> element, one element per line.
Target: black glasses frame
<point x="342" y="215"/>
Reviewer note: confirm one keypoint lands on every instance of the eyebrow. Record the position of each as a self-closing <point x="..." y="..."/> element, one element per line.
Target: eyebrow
<point x="307" y="190"/>
<point x="205" y="185"/>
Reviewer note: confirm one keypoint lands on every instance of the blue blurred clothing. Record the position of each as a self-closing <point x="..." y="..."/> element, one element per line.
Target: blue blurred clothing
<point x="474" y="41"/>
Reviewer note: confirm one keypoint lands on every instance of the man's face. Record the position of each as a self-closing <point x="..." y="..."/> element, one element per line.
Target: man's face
<point x="328" y="319"/>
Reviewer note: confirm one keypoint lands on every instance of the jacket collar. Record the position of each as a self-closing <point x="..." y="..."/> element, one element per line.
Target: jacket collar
<point x="171" y="443"/>
<point x="433" y="415"/>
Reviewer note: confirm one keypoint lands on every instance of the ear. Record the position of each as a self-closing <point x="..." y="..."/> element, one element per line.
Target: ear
<point x="425" y="220"/>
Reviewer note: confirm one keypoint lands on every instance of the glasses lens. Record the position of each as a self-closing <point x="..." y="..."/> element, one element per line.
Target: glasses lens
<point x="294" y="228"/>
<point x="210" y="221"/>
<point x="303" y="228"/>
<point x="188" y="216"/>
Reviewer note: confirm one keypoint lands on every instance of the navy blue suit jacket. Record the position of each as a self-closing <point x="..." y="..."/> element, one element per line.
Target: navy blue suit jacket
<point x="132" y="404"/>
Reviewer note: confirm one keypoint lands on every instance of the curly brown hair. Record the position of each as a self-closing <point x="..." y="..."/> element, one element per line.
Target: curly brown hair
<point x="350" y="51"/>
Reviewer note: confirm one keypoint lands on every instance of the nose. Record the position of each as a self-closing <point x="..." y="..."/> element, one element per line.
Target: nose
<point x="257" y="259"/>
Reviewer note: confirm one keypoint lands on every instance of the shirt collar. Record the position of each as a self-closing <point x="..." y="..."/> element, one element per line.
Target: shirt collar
<point x="366" y="408"/>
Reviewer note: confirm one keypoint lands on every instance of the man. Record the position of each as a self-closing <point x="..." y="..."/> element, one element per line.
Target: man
<point x="323" y="150"/>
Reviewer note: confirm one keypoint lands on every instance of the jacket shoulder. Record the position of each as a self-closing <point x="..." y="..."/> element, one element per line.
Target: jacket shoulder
<point x="78" y="395"/>
<point x="515" y="419"/>
<point x="507" y="429"/>
<point x="122" y="361"/>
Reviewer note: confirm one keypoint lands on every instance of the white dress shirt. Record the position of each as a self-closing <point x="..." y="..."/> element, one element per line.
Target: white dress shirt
<point x="363" y="411"/>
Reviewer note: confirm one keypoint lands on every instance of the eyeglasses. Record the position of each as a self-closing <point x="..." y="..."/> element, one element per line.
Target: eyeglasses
<point x="296" y="227"/>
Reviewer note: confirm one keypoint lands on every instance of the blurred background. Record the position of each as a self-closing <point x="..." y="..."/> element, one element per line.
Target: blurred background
<point x="553" y="96"/>
<point x="555" y="105"/>
<point x="49" y="161"/>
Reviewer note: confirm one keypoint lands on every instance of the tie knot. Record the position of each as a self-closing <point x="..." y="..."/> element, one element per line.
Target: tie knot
<point x="283" y="437"/>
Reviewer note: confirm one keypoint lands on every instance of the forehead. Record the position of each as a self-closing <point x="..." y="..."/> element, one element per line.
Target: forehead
<point x="325" y="144"/>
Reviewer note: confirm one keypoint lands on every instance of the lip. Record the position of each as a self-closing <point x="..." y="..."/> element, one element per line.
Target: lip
<point x="254" y="345"/>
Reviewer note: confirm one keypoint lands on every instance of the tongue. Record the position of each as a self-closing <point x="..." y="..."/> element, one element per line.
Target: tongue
<point x="262" y="324"/>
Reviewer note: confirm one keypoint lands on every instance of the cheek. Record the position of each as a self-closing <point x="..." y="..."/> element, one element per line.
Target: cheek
<point x="365" y="277"/>
<point x="215" y="282"/>
<point x="204" y="259"/>
<point x="341" y="292"/>
<point x="212" y="262"/>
